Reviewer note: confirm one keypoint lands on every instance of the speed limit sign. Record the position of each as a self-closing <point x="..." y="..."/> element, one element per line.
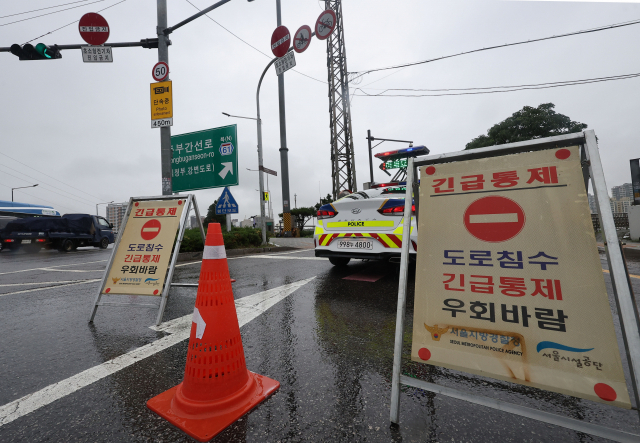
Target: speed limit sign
<point x="160" y="71"/>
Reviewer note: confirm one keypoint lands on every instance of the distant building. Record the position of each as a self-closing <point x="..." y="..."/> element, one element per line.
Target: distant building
<point x="193" y="221"/>
<point x="592" y="204"/>
<point x="622" y="191"/>
<point x="115" y="214"/>
<point x="623" y="204"/>
<point x="234" y="222"/>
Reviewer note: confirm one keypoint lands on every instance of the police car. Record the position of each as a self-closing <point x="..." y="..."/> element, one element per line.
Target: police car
<point x="367" y="224"/>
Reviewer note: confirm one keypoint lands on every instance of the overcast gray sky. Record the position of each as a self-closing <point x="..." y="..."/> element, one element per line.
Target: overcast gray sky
<point x="87" y="125"/>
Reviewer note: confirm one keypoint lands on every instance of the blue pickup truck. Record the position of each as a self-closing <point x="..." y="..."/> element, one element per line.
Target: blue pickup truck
<point x="64" y="233"/>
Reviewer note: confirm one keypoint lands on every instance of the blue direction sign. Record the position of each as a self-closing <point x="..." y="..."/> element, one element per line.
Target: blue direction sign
<point x="226" y="203"/>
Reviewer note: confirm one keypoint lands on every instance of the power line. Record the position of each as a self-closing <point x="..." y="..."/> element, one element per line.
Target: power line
<point x="50" y="13"/>
<point x="75" y="21"/>
<point x="45" y="185"/>
<point x="497" y="89"/>
<point x="42" y="9"/>
<point x="249" y="44"/>
<point x="586" y="31"/>
<point x="58" y="180"/>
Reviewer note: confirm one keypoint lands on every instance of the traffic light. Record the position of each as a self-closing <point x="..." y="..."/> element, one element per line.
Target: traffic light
<point x="37" y="52"/>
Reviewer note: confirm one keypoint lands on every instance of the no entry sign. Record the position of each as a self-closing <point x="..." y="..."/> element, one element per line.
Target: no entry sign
<point x="280" y="41"/>
<point x="150" y="229"/>
<point x="494" y="219"/>
<point x="325" y="24"/>
<point x="94" y="29"/>
<point x="301" y="39"/>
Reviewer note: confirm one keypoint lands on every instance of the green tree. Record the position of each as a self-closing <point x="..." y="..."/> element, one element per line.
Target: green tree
<point x="526" y="124"/>
<point x="324" y="201"/>
<point x="212" y="217"/>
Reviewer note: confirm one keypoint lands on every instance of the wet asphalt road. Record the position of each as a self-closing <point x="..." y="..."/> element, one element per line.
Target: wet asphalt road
<point x="329" y="343"/>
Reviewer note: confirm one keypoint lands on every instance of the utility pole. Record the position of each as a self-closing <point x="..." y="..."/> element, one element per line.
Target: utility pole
<point x="295" y="200"/>
<point x="165" y="131"/>
<point x="284" y="151"/>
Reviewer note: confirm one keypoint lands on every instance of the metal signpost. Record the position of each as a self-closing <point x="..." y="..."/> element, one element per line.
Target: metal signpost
<point x="144" y="255"/>
<point x="525" y="311"/>
<point x="205" y="159"/>
<point x="286" y="62"/>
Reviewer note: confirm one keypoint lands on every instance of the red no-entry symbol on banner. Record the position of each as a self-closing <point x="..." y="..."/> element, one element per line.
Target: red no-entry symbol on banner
<point x="150" y="229"/>
<point x="494" y="219"/>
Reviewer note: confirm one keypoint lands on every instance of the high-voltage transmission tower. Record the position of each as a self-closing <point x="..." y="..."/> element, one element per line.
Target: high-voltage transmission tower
<point x="343" y="167"/>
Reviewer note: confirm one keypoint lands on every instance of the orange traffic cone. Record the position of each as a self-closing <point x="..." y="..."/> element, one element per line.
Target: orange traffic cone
<point x="217" y="388"/>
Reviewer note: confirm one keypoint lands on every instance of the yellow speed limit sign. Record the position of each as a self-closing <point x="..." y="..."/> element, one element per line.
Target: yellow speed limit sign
<point x="161" y="104"/>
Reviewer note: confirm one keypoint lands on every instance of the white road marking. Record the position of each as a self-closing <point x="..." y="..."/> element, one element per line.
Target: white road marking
<point x="248" y="308"/>
<point x="36" y="283"/>
<point x="71" y="270"/>
<point x="288" y="258"/>
<point x="50" y="267"/>
<point x="493" y="218"/>
<point x="51" y="287"/>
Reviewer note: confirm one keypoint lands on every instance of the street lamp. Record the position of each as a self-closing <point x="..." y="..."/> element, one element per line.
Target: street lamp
<point x="260" y="176"/>
<point x="21" y="187"/>
<point x="105" y="203"/>
<point x="381" y="140"/>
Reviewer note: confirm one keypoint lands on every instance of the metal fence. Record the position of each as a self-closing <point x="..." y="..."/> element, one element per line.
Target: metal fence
<point x="621" y="220"/>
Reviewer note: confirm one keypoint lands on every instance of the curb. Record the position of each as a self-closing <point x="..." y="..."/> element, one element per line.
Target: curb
<point x="188" y="256"/>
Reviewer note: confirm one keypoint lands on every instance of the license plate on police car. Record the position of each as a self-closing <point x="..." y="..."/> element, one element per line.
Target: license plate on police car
<point x="26" y="242"/>
<point x="355" y="244"/>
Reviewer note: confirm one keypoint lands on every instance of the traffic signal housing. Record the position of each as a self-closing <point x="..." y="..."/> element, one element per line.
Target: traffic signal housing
<point x="37" y="52"/>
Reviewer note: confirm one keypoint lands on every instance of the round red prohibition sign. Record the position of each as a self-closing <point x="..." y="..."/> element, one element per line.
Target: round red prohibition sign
<point x="150" y="229"/>
<point x="325" y="24"/>
<point x="160" y="71"/>
<point x="494" y="219"/>
<point x="301" y="39"/>
<point x="280" y="41"/>
<point x="93" y="28"/>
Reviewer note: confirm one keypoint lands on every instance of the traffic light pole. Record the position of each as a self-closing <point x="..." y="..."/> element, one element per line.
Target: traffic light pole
<point x="284" y="151"/>
<point x="165" y="131"/>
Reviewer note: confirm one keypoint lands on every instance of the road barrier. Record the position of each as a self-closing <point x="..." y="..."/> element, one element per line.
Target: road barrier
<point x="217" y="388"/>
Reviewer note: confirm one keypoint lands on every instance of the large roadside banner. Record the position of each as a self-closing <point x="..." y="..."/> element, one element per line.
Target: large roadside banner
<point x="509" y="282"/>
<point x="140" y="263"/>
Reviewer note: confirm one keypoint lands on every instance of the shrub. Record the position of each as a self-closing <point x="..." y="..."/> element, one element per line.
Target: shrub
<point x="237" y="238"/>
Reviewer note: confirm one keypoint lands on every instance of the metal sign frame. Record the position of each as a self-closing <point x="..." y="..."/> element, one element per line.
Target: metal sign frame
<point x="626" y="306"/>
<point x="190" y="201"/>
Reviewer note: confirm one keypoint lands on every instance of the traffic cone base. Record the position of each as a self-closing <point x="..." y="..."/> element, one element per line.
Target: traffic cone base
<point x="205" y="420"/>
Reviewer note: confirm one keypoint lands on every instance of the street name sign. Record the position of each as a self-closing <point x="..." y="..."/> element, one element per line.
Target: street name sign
<point x="511" y="286"/>
<point x="325" y="24"/>
<point x="94" y="29"/>
<point x="226" y="203"/>
<point x="301" y="39"/>
<point x="283" y="64"/>
<point x="97" y="54"/>
<point x="268" y="171"/>
<point x="205" y="159"/>
<point x="280" y="41"/>
<point x="160" y="71"/>
<point x="161" y="104"/>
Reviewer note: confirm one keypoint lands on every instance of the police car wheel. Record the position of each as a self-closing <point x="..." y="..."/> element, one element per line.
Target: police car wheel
<point x="104" y="243"/>
<point x="339" y="261"/>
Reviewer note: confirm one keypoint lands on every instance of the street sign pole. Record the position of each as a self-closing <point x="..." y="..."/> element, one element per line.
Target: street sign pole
<point x="284" y="151"/>
<point x="165" y="131"/>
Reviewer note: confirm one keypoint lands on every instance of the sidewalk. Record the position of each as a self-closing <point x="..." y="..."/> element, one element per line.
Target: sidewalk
<point x="304" y="243"/>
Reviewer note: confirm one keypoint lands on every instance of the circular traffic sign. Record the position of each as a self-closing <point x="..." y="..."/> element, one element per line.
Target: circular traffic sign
<point x="494" y="219"/>
<point x="325" y="24"/>
<point x="280" y="41"/>
<point x="94" y="29"/>
<point x="150" y="229"/>
<point x="301" y="39"/>
<point x="160" y="71"/>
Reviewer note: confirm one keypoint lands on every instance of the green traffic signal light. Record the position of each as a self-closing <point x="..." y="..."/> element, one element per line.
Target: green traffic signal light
<point x="43" y="50"/>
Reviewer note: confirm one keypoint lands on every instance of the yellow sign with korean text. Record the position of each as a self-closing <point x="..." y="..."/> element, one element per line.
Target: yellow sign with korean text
<point x="161" y="100"/>
<point x="140" y="263"/>
<point x="509" y="282"/>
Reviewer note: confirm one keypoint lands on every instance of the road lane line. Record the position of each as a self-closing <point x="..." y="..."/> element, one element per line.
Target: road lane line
<point x="289" y="258"/>
<point x="248" y="308"/>
<point x="49" y="267"/>
<point x="43" y="283"/>
<point x="72" y="270"/>
<point x="630" y="275"/>
<point x="50" y="287"/>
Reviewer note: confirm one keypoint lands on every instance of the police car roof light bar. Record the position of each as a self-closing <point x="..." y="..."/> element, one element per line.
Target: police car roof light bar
<point x="403" y="153"/>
